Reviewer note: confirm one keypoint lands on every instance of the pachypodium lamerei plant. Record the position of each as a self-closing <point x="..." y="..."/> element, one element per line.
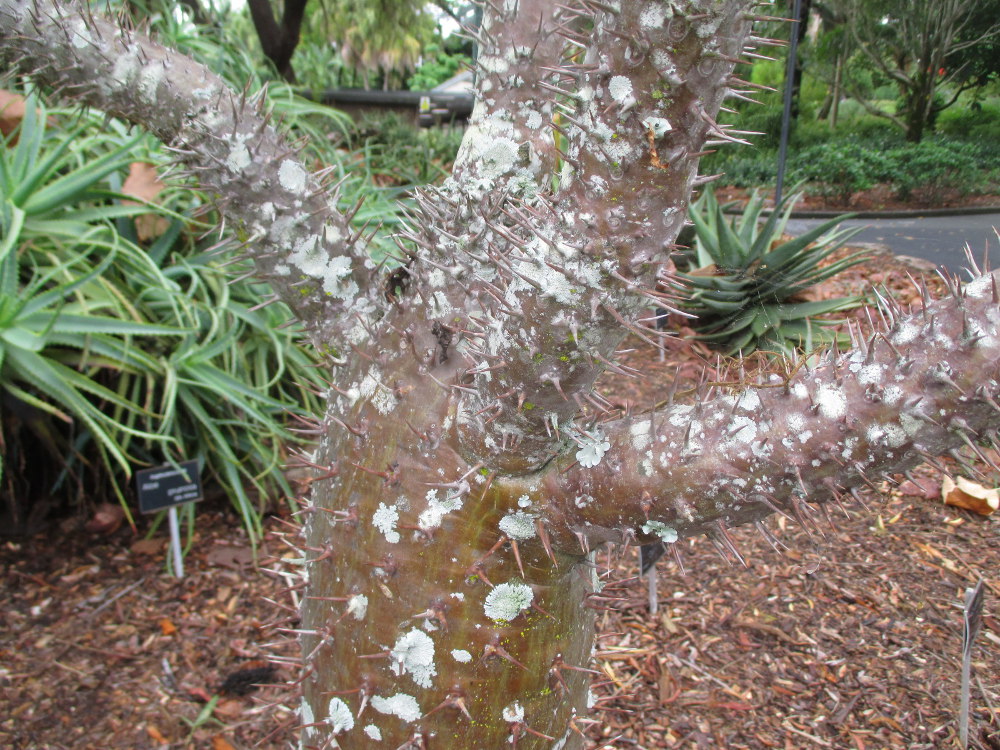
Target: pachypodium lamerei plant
<point x="458" y="499"/>
<point x="743" y="281"/>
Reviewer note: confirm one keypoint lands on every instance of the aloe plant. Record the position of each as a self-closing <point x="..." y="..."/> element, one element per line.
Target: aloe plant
<point x="743" y="280"/>
<point x="464" y="474"/>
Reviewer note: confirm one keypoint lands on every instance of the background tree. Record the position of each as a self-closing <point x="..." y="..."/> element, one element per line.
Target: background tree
<point x="384" y="36"/>
<point x="465" y="472"/>
<point x="923" y="47"/>
<point x="278" y="39"/>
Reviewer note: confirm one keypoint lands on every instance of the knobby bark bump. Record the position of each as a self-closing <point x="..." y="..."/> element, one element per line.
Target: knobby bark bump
<point x="448" y="584"/>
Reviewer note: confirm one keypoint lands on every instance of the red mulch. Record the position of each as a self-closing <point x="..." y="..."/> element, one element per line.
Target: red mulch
<point x="849" y="639"/>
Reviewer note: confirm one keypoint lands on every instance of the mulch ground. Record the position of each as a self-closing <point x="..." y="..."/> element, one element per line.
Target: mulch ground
<point x="850" y="638"/>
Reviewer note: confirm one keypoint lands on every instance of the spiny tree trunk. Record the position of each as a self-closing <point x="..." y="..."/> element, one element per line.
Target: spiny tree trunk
<point x="457" y="497"/>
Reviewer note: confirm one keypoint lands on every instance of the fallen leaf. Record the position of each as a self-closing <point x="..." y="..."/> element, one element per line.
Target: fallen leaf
<point x="229" y="709"/>
<point x="106" y="519"/>
<point x="913" y="489"/>
<point x="230" y="557"/>
<point x="167" y="627"/>
<point x="220" y="743"/>
<point x="143" y="182"/>
<point x="11" y="111"/>
<point x="148" y="546"/>
<point x="200" y="693"/>
<point x="964" y="493"/>
<point x="156" y="735"/>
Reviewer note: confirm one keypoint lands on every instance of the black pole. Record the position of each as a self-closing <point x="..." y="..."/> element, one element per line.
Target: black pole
<point x="786" y="115"/>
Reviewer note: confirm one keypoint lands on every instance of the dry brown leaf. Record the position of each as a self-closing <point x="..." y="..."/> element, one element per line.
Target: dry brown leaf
<point x="148" y="546"/>
<point x="106" y="519"/>
<point x="156" y="735"/>
<point x="228" y="709"/>
<point x="964" y="493"/>
<point x="143" y="182"/>
<point x="11" y="111"/>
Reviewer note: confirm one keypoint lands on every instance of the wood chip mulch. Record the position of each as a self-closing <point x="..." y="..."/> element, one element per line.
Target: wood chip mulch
<point x="850" y="638"/>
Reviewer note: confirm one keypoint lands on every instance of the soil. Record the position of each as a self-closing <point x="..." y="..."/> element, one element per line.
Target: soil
<point x="849" y="638"/>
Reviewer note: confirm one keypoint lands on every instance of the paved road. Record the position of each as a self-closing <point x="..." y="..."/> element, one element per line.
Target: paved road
<point x="939" y="239"/>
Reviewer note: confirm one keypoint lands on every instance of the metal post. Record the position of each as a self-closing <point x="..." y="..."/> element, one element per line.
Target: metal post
<point x="175" y="541"/>
<point x="786" y="115"/>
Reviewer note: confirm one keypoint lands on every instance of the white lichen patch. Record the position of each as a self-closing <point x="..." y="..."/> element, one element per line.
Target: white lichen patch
<point x="518" y="526"/>
<point x="831" y="401"/>
<point x="461" y="655"/>
<point x="385" y="519"/>
<point x="238" y="158"/>
<point x="870" y="374"/>
<point x="910" y="424"/>
<point x="979" y="287"/>
<point x="907" y="332"/>
<point x="436" y="510"/>
<point x="125" y="68"/>
<point x="514" y="713"/>
<point x="402" y="705"/>
<point x="620" y="89"/>
<point x="653" y="16"/>
<point x="666" y="533"/>
<point x="80" y="35"/>
<point x="414" y="654"/>
<point x="593" y="446"/>
<point x="892" y="435"/>
<point x="149" y="81"/>
<point x="524" y="502"/>
<point x="306" y="718"/>
<point x="493" y="64"/>
<point x="640" y="432"/>
<point x="599" y="185"/>
<point x="373" y="732"/>
<point x="498" y="158"/>
<point x="357" y="606"/>
<point x="507" y="600"/>
<point x="743" y="430"/>
<point x="749" y="400"/>
<point x="892" y="395"/>
<point x="339" y="717"/>
<point x="378" y="395"/>
<point x="291" y="176"/>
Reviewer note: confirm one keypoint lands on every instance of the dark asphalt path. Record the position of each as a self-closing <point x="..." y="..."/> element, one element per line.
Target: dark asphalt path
<point x="938" y="239"/>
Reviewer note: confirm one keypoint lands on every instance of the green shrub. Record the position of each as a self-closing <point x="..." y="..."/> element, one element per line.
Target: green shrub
<point x="836" y="170"/>
<point x="980" y="124"/>
<point x="934" y="165"/>
<point x="438" y="66"/>
<point x="745" y="168"/>
<point x="394" y="152"/>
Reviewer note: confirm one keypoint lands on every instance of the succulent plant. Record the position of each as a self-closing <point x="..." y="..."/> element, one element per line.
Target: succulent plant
<point x="743" y="284"/>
